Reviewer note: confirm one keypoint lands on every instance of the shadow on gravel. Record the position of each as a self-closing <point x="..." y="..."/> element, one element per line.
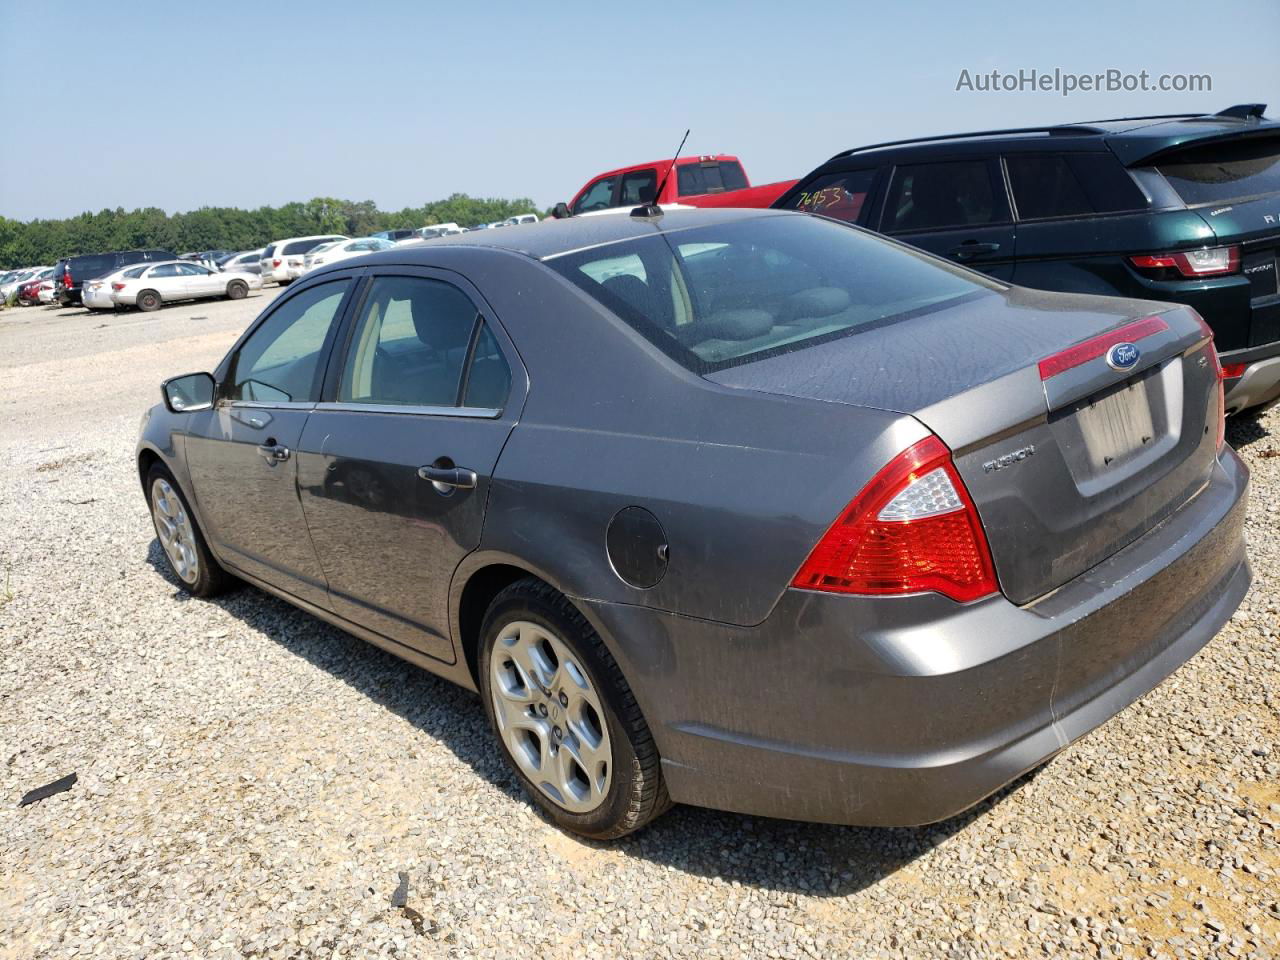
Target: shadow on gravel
<point x="1246" y="428"/>
<point x="815" y="859"/>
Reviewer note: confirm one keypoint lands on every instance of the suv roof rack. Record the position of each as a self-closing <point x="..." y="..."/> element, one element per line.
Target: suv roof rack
<point x="1068" y="129"/>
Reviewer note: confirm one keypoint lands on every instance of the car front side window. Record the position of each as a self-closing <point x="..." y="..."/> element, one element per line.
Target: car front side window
<point x="281" y="359"/>
<point x="598" y="196"/>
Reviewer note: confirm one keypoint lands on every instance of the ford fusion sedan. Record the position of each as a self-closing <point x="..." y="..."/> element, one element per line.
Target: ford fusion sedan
<point x="148" y="287"/>
<point x="747" y="509"/>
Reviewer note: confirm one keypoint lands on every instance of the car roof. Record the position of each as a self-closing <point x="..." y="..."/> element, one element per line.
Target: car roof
<point x="550" y="237"/>
<point x="680" y="162"/>
<point x="1132" y="139"/>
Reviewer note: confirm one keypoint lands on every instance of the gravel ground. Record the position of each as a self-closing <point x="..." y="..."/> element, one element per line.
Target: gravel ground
<point x="254" y="783"/>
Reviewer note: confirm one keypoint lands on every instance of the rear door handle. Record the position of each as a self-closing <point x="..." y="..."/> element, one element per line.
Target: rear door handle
<point x="459" y="477"/>
<point x="273" y="452"/>
<point x="971" y="248"/>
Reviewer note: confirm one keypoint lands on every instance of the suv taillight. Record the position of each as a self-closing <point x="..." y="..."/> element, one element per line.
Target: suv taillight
<point x="275" y="262"/>
<point x="66" y="277"/>
<point x="913" y="528"/>
<point x="1190" y="264"/>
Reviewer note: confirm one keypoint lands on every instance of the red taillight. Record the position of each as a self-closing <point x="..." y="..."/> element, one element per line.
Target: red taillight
<point x="66" y="277"/>
<point x="1095" y="347"/>
<point x="1234" y="371"/>
<point x="275" y="262"/>
<point x="117" y="285"/>
<point x="1209" y="262"/>
<point x="913" y="528"/>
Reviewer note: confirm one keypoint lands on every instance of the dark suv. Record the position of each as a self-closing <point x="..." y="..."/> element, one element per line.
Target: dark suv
<point x="1181" y="208"/>
<point x="70" y="273"/>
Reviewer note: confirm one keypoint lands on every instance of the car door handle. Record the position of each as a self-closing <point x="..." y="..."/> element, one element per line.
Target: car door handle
<point x="273" y="452"/>
<point x="971" y="248"/>
<point x="458" y="477"/>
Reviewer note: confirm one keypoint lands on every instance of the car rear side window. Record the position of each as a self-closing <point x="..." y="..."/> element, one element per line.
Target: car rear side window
<point x="409" y="345"/>
<point x="711" y="297"/>
<point x="489" y="377"/>
<point x="839" y="195"/>
<point x="281" y="359"/>
<point x="1224" y="171"/>
<point x="1071" y="185"/>
<point x="931" y="196"/>
<point x="710" y="176"/>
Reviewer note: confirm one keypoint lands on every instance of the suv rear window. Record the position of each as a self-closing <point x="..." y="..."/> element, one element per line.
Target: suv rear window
<point x="304" y="246"/>
<point x="1071" y="185"/>
<point x="722" y="295"/>
<point x="1224" y="171"/>
<point x="839" y="195"/>
<point x="94" y="265"/>
<point x="710" y="177"/>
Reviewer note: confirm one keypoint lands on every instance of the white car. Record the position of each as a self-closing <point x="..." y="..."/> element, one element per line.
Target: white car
<point x="522" y="218"/>
<point x="17" y="278"/>
<point x="150" y="285"/>
<point x="333" y="252"/>
<point x="249" y="261"/>
<point x="96" y="293"/>
<point x="282" y="261"/>
<point x="46" y="293"/>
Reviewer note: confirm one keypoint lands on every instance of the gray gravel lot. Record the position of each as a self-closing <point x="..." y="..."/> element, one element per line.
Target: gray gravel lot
<point x="252" y="782"/>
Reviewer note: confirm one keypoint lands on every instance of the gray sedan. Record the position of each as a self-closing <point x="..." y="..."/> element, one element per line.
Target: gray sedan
<point x="745" y="509"/>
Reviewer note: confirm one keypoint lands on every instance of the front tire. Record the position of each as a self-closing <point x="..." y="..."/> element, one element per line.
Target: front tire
<point x="148" y="300"/>
<point x="565" y="717"/>
<point x="180" y="537"/>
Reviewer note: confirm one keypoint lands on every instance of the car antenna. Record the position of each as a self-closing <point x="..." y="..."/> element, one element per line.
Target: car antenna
<point x="651" y="210"/>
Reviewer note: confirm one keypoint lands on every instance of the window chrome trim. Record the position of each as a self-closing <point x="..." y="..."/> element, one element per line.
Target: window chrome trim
<point x="268" y="404"/>
<point x="475" y="413"/>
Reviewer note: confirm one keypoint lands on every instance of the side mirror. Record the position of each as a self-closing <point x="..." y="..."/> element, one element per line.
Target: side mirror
<point x="188" y="393"/>
<point x="561" y="211"/>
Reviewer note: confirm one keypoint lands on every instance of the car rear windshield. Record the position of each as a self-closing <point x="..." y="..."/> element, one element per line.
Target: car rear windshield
<point x="94" y="265"/>
<point x="1225" y="171"/>
<point x="710" y="176"/>
<point x="717" y="296"/>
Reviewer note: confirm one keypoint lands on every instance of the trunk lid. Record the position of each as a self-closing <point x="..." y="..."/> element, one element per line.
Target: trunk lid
<point x="1066" y="466"/>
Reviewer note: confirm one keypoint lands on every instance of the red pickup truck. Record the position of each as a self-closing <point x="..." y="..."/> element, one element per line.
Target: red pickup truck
<point x="706" y="181"/>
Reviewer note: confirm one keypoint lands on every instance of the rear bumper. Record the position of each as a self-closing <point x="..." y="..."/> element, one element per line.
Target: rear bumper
<point x="901" y="711"/>
<point x="1260" y="382"/>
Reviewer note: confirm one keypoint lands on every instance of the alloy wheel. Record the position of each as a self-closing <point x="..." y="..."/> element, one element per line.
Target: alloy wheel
<point x="174" y="529"/>
<point x="550" y="716"/>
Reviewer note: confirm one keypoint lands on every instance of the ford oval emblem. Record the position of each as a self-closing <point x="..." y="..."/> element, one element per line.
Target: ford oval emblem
<point x="1123" y="356"/>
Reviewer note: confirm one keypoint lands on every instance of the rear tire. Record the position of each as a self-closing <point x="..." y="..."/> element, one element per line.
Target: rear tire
<point x="554" y="695"/>
<point x="180" y="537"/>
<point x="237" y="290"/>
<point x="148" y="300"/>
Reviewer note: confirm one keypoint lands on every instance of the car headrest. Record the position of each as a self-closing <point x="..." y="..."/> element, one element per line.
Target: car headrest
<point x="816" y="302"/>
<point x="743" y="324"/>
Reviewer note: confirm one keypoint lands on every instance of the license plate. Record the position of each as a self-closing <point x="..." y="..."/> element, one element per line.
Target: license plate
<point x="1117" y="425"/>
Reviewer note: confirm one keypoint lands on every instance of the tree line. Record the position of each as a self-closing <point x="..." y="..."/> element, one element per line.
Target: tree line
<point x="230" y="228"/>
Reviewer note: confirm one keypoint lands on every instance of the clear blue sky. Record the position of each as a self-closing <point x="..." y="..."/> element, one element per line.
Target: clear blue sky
<point x="182" y="105"/>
